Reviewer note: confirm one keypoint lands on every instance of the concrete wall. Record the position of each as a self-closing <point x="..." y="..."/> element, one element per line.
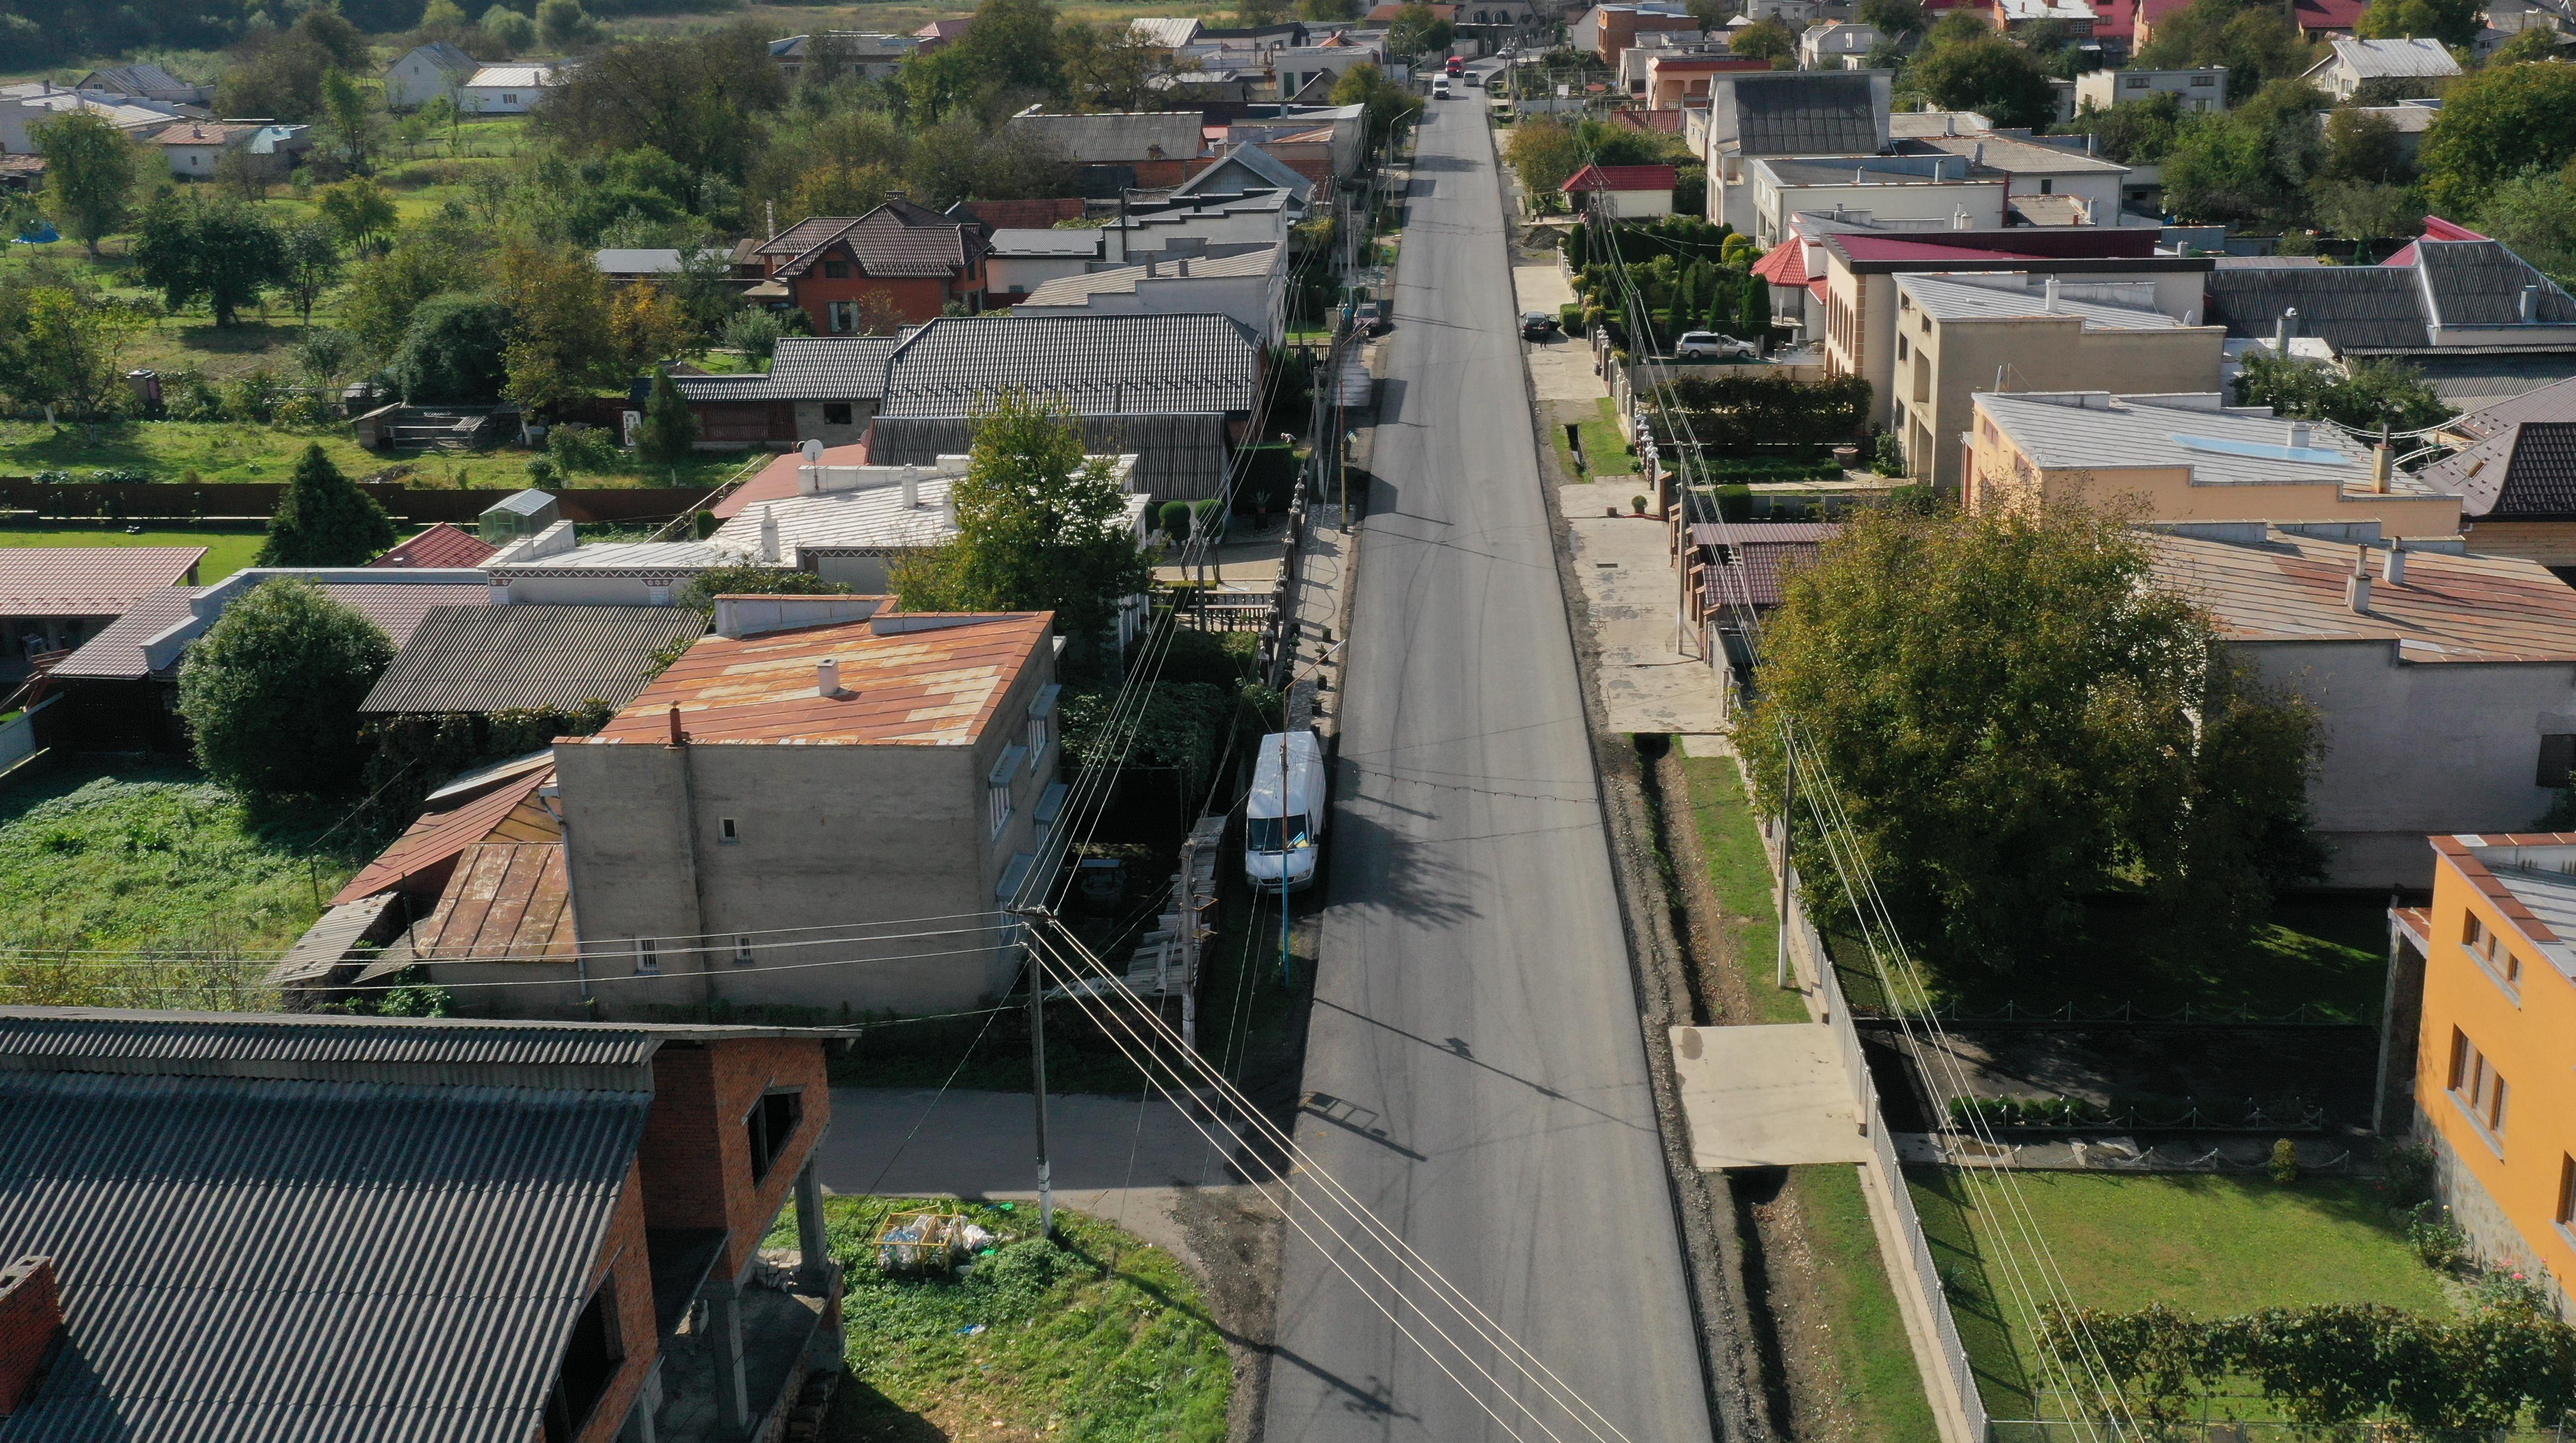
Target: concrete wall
<point x="2106" y="88"/>
<point x="1983" y="200"/>
<point x="1005" y="275"/>
<point x="1950" y="360"/>
<point x="2414" y="749"/>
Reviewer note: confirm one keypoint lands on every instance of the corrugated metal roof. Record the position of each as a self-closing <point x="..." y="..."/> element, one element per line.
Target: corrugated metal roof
<point x="505" y="899"/>
<point x="1121" y="280"/>
<point x="327" y="943"/>
<point x="2480" y="283"/>
<point x="1799" y="113"/>
<point x="1181" y="457"/>
<point x="2130" y="432"/>
<point x="443" y="544"/>
<point x="524" y="657"/>
<point x="250" y="1260"/>
<point x="2352" y="307"/>
<point x="88" y="580"/>
<point x="436" y="839"/>
<point x="2410" y="57"/>
<point x="818" y="368"/>
<point x="1621" y="178"/>
<point x="2555" y="401"/>
<point x="934" y="686"/>
<point x="1100" y="364"/>
<point x="376" y="1049"/>
<point x="116" y="653"/>
<point x="2450" y="608"/>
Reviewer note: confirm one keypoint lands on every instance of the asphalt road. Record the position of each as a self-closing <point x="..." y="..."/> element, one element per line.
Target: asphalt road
<point x="1475" y="1072"/>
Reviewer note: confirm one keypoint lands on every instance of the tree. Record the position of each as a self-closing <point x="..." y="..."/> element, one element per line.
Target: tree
<point x="2136" y="132"/>
<point x="646" y="326"/>
<point x="1543" y="153"/>
<point x="324" y="519"/>
<point x="64" y="350"/>
<point x="562" y="24"/>
<point x="444" y="16"/>
<point x="1989" y="75"/>
<point x="2453" y="22"/>
<point x="507" y="30"/>
<point x="1253" y="14"/>
<point x="563" y="344"/>
<point x="452" y="353"/>
<point x="384" y="293"/>
<point x="2529" y="44"/>
<point x="670" y="428"/>
<point x="349" y="120"/>
<point x="2535" y="214"/>
<point x="1389" y="104"/>
<point x="309" y="257"/>
<point x="1418" y="28"/>
<point x="325" y="356"/>
<point x="1763" y="40"/>
<point x="283" y="76"/>
<point x="688" y="97"/>
<point x="753" y="332"/>
<point x="1039" y="527"/>
<point x="1895" y="17"/>
<point x="2017" y="717"/>
<point x="1712" y="15"/>
<point x="90" y="170"/>
<point x="2360" y="211"/>
<point x="2374" y="394"/>
<point x="1111" y="67"/>
<point x="223" y="254"/>
<point x="2362" y="148"/>
<point x="2495" y="124"/>
<point x="271" y="691"/>
<point x="2254" y="39"/>
<point x="2252" y="165"/>
<point x="702" y="590"/>
<point x="360" y="210"/>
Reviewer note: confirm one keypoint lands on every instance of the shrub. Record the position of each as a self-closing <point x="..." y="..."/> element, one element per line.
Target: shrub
<point x="271" y="691"/>
<point x="2284" y="1166"/>
<point x="2439" y="1243"/>
<point x="253" y="396"/>
<point x="1735" y="503"/>
<point x="302" y="409"/>
<point x="1887" y="457"/>
<point x="541" y="471"/>
<point x="1571" y="318"/>
<point x="584" y="448"/>
<point x="1174" y="518"/>
<point x="670" y="428"/>
<point x="2406" y="1174"/>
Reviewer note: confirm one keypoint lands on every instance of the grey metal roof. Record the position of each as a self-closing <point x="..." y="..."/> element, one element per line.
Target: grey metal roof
<point x="116" y="652"/>
<point x="2525" y="472"/>
<point x="1179" y="457"/>
<point x="429" y="1052"/>
<point x="1074" y="243"/>
<point x="1100" y="364"/>
<point x="327" y="943"/>
<point x="245" y="1260"/>
<point x="1247" y="165"/>
<point x="2541" y="399"/>
<point x="2220" y="446"/>
<point x="2019" y="157"/>
<point x="1964" y="300"/>
<point x="2353" y="307"/>
<point x="1121" y="280"/>
<point x="1122" y="138"/>
<point x="1801" y="113"/>
<point x="2479" y="283"/>
<point x="502" y="658"/>
<point x="2408" y="57"/>
<point x="805" y="368"/>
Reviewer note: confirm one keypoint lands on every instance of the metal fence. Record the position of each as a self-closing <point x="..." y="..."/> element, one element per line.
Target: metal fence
<point x="2059" y="1430"/>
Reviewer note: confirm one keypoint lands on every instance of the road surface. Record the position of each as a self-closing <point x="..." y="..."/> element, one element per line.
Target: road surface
<point x="1476" y="1071"/>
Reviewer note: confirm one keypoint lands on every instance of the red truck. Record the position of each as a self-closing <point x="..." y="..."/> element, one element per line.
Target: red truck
<point x="1457" y="66"/>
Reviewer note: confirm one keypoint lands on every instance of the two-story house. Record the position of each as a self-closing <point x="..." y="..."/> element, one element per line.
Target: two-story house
<point x="900" y="261"/>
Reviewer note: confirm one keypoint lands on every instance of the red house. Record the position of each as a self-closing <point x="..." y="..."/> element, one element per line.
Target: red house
<point x="913" y="259"/>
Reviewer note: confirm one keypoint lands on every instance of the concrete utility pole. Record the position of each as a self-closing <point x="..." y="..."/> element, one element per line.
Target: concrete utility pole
<point x="1788" y="867"/>
<point x="1033" y="917"/>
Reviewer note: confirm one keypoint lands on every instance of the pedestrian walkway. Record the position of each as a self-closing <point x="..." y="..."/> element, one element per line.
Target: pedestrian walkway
<point x="1650" y="675"/>
<point x="1766" y="1096"/>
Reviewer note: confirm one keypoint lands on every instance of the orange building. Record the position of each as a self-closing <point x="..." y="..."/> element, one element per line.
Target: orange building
<point x="2494" y="1065"/>
<point x="901" y="259"/>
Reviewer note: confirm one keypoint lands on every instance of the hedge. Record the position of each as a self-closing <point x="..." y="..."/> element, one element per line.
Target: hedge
<point x="1744" y="407"/>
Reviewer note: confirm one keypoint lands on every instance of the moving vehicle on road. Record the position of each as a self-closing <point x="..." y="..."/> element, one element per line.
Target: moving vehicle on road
<point x="1457" y="65"/>
<point x="1537" y="325"/>
<point x="1709" y="345"/>
<point x="1284" y="819"/>
<point x="1440" y="87"/>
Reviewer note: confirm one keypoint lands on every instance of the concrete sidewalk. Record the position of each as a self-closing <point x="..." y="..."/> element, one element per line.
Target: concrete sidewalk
<point x="1650" y="679"/>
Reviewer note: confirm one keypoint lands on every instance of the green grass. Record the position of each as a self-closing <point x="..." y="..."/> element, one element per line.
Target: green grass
<point x="167" y="450"/>
<point x="1604" y="445"/>
<point x="1876" y="1380"/>
<point x="1095" y="1336"/>
<point x="1739" y="872"/>
<point x="226" y="551"/>
<point x="156" y="858"/>
<point x="2201" y="1243"/>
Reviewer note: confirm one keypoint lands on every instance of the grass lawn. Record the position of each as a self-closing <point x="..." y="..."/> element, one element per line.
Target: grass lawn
<point x="1739" y="872"/>
<point x="1878" y="1383"/>
<point x="1096" y="1336"/>
<point x="167" y="450"/>
<point x="2201" y="1243"/>
<point x="1603" y="444"/>
<point x="156" y="857"/>
<point x="226" y="551"/>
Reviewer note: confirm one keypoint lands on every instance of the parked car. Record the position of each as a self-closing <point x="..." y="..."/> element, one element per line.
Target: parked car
<point x="1537" y="325"/>
<point x="1706" y="345"/>
<point x="1370" y="317"/>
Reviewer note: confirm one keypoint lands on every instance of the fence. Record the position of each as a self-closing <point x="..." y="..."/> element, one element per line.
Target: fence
<point x="2059" y="1430"/>
<point x="1920" y="1278"/>
<point x="171" y="501"/>
<point x="2306" y="1014"/>
<point x="18" y="734"/>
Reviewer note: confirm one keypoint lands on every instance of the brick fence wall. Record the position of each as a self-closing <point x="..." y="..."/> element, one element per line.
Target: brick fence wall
<point x="146" y="501"/>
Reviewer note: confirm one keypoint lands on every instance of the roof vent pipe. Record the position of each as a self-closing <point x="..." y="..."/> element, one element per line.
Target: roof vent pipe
<point x="911" y="487"/>
<point x="2383" y="465"/>
<point x="827" y="678"/>
<point x="2393" y="570"/>
<point x="2356" y="588"/>
<point x="2530" y="304"/>
<point x="2300" y="432"/>
<point x="768" y="536"/>
<point x="2050" y="305"/>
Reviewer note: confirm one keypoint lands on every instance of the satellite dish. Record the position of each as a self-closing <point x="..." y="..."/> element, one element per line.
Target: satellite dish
<point x="813" y="452"/>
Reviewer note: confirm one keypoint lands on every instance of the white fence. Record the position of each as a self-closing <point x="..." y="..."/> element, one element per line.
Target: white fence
<point x="18" y="735"/>
<point x="1921" y="1281"/>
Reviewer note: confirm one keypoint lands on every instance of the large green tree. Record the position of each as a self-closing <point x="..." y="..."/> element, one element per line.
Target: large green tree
<point x="2136" y="132"/>
<point x="2535" y="214"/>
<point x="223" y="254"/>
<point x="283" y="75"/>
<point x="1040" y="527"/>
<point x="2017" y="717"/>
<point x="694" y="98"/>
<point x="324" y="519"/>
<point x="2374" y="394"/>
<point x="2252" y="165"/>
<point x="62" y="350"/>
<point x="1763" y="40"/>
<point x="454" y="351"/>
<point x="271" y="691"/>
<point x="2254" y="39"/>
<point x="90" y="174"/>
<point x="2494" y="125"/>
<point x="2453" y="22"/>
<point x="1990" y="75"/>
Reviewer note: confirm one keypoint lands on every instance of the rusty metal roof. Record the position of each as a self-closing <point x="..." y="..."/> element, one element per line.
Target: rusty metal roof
<point x="508" y="813"/>
<point x="2449" y="608"/>
<point x="443" y="544"/>
<point x="916" y="679"/>
<point x="89" y="580"/>
<point x="506" y="899"/>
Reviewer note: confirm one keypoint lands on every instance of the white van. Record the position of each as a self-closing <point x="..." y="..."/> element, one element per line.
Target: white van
<point x="1284" y="821"/>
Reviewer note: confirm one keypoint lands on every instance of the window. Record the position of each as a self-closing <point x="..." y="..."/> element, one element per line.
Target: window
<point x="726" y="832"/>
<point x="2133" y="82"/>
<point x="2047" y="187"/>
<point x="2567" y="1192"/>
<point x="836" y="270"/>
<point x="2476" y="1087"/>
<point x="742" y="950"/>
<point x="589" y="1365"/>
<point x="2557" y="754"/>
<point x="2203" y="82"/>
<point x="836" y="413"/>
<point x="845" y="317"/>
<point x="508" y="99"/>
<point x="1900" y="348"/>
<point x="997" y="786"/>
<point x="771" y="1123"/>
<point x="648" y="957"/>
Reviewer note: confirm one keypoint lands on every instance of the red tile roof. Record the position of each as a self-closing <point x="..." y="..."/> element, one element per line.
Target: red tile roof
<point x="419" y="859"/>
<point x="1784" y="264"/>
<point x="89" y="580"/>
<point x="1621" y="177"/>
<point x="936" y="685"/>
<point x="1666" y="121"/>
<point x="777" y="480"/>
<point x="2327" y="14"/>
<point x="440" y="546"/>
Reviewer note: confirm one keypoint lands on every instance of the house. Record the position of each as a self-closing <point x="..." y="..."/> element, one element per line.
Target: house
<point x="507" y="89"/>
<point x="2473" y="319"/>
<point x="1503" y="14"/>
<point x="1247" y="169"/>
<point x="2198" y="91"/>
<point x="841" y="55"/>
<point x="817" y="764"/>
<point x="2440" y="677"/>
<point x="2326" y="20"/>
<point x="1605" y="30"/>
<point x="2072" y="19"/>
<point x="630" y="264"/>
<point x="27" y="106"/>
<point x="1786" y="113"/>
<point x="2516" y="475"/>
<point x="2475" y="1049"/>
<point x="1310" y="152"/>
<point x="564" y="1196"/>
<point x="194" y="150"/>
<point x="1020" y="261"/>
<point x="1671" y="79"/>
<point x="1178" y="392"/>
<point x="527" y="657"/>
<point x="1298" y="67"/>
<point x="817" y="388"/>
<point x="120" y="688"/>
<point x="1837" y="45"/>
<point x="2351" y="64"/>
<point x="556" y="567"/>
<point x="54" y="598"/>
<point x="850" y="523"/>
<point x="440" y="545"/>
<point x="142" y="80"/>
<point x="2031" y="167"/>
<point x="2189" y="458"/>
<point x="903" y="260"/>
<point x="1123" y="150"/>
<point x="426" y="73"/>
<point x="1164" y="33"/>
<point x="1956" y="333"/>
<point x="1728" y="569"/>
<point x="940" y="33"/>
<point x="1198" y="223"/>
<point x="1938" y="190"/>
<point x="1249" y="285"/>
<point x="1623" y="192"/>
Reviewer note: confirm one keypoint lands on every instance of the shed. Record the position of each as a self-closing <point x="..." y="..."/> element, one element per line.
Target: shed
<point x="523" y="513"/>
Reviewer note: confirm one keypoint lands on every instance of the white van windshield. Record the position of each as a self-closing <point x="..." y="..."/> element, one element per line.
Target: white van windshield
<point x="1273" y="834"/>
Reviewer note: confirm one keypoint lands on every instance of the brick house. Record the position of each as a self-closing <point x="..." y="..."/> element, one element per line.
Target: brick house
<point x="548" y="1200"/>
<point x="904" y="254"/>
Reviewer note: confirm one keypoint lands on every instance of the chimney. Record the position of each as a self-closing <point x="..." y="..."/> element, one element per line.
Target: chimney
<point x="2050" y="305"/>
<point x="768" y="536"/>
<point x="2383" y="464"/>
<point x="2356" y="588"/>
<point x="2530" y="304"/>
<point x="679" y="738"/>
<point x="911" y="487"/>
<point x="827" y="678"/>
<point x="2393" y="570"/>
<point x="1981" y="153"/>
<point x="31" y="1318"/>
<point x="1950" y="123"/>
<point x="2300" y="432"/>
<point x="1150" y="257"/>
<point x="948" y="509"/>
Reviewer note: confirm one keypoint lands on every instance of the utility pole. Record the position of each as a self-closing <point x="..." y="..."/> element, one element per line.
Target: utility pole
<point x="1788" y="868"/>
<point x="1032" y="917"/>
